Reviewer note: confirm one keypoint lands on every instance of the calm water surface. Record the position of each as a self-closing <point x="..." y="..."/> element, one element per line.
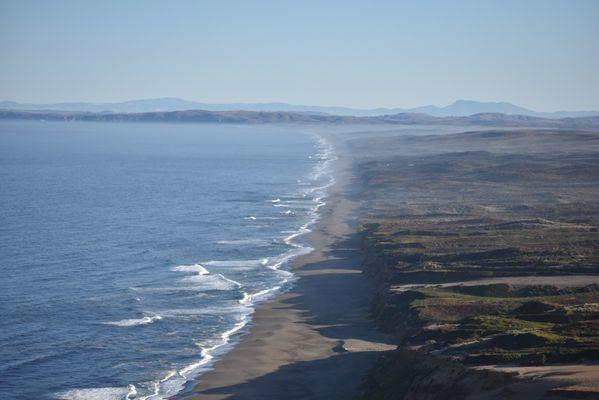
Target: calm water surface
<point x="132" y="255"/>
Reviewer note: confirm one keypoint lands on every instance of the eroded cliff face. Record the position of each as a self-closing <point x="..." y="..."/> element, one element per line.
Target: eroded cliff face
<point x="411" y="375"/>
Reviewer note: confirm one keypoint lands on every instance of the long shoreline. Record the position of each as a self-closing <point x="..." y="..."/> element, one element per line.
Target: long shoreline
<point x="303" y="342"/>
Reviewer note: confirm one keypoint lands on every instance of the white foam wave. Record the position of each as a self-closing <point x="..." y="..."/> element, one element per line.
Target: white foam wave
<point x="193" y="287"/>
<point x="237" y="263"/>
<point x="102" y="393"/>
<point x="254" y="218"/>
<point x="166" y="387"/>
<point x="131" y="392"/>
<point x="246" y="300"/>
<point x="257" y="242"/>
<point x="233" y="309"/>
<point x="283" y="259"/>
<point x="250" y="299"/>
<point x="175" y="381"/>
<point x="196" y="268"/>
<point x="212" y="282"/>
<point x="135" y="321"/>
<point x="231" y="281"/>
<point x="203" y="280"/>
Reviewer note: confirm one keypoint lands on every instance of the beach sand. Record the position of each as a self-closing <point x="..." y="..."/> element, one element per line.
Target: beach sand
<point x="316" y="341"/>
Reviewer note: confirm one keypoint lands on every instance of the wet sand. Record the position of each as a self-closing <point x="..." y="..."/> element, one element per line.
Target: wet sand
<point x="316" y="341"/>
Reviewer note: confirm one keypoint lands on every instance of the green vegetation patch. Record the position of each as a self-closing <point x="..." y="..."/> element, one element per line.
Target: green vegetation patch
<point x="497" y="326"/>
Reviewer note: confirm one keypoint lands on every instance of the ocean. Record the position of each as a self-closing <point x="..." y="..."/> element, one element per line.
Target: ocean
<point x="132" y="255"/>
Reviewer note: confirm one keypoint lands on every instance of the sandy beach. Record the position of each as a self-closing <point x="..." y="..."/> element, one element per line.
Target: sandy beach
<point x="316" y="341"/>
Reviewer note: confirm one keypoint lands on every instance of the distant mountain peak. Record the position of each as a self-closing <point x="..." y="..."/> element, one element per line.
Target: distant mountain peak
<point x="459" y="108"/>
<point x="468" y="102"/>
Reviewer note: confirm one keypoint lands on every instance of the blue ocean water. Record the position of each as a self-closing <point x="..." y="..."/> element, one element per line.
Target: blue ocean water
<point x="131" y="255"/>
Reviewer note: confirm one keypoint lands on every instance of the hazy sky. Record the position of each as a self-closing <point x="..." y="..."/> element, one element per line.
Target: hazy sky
<point x="539" y="54"/>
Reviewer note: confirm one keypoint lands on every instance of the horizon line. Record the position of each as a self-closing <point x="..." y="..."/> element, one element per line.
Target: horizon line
<point x="359" y="108"/>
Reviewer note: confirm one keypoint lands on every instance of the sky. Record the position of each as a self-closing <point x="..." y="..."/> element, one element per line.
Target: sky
<point x="542" y="55"/>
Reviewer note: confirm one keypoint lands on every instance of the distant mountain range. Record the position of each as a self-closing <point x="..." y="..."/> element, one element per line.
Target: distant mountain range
<point x="271" y="117"/>
<point x="459" y="108"/>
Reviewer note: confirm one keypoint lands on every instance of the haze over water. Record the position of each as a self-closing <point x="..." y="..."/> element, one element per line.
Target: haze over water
<point x="132" y="254"/>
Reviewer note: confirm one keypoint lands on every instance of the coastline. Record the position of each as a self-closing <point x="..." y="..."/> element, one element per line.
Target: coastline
<point x="312" y="340"/>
